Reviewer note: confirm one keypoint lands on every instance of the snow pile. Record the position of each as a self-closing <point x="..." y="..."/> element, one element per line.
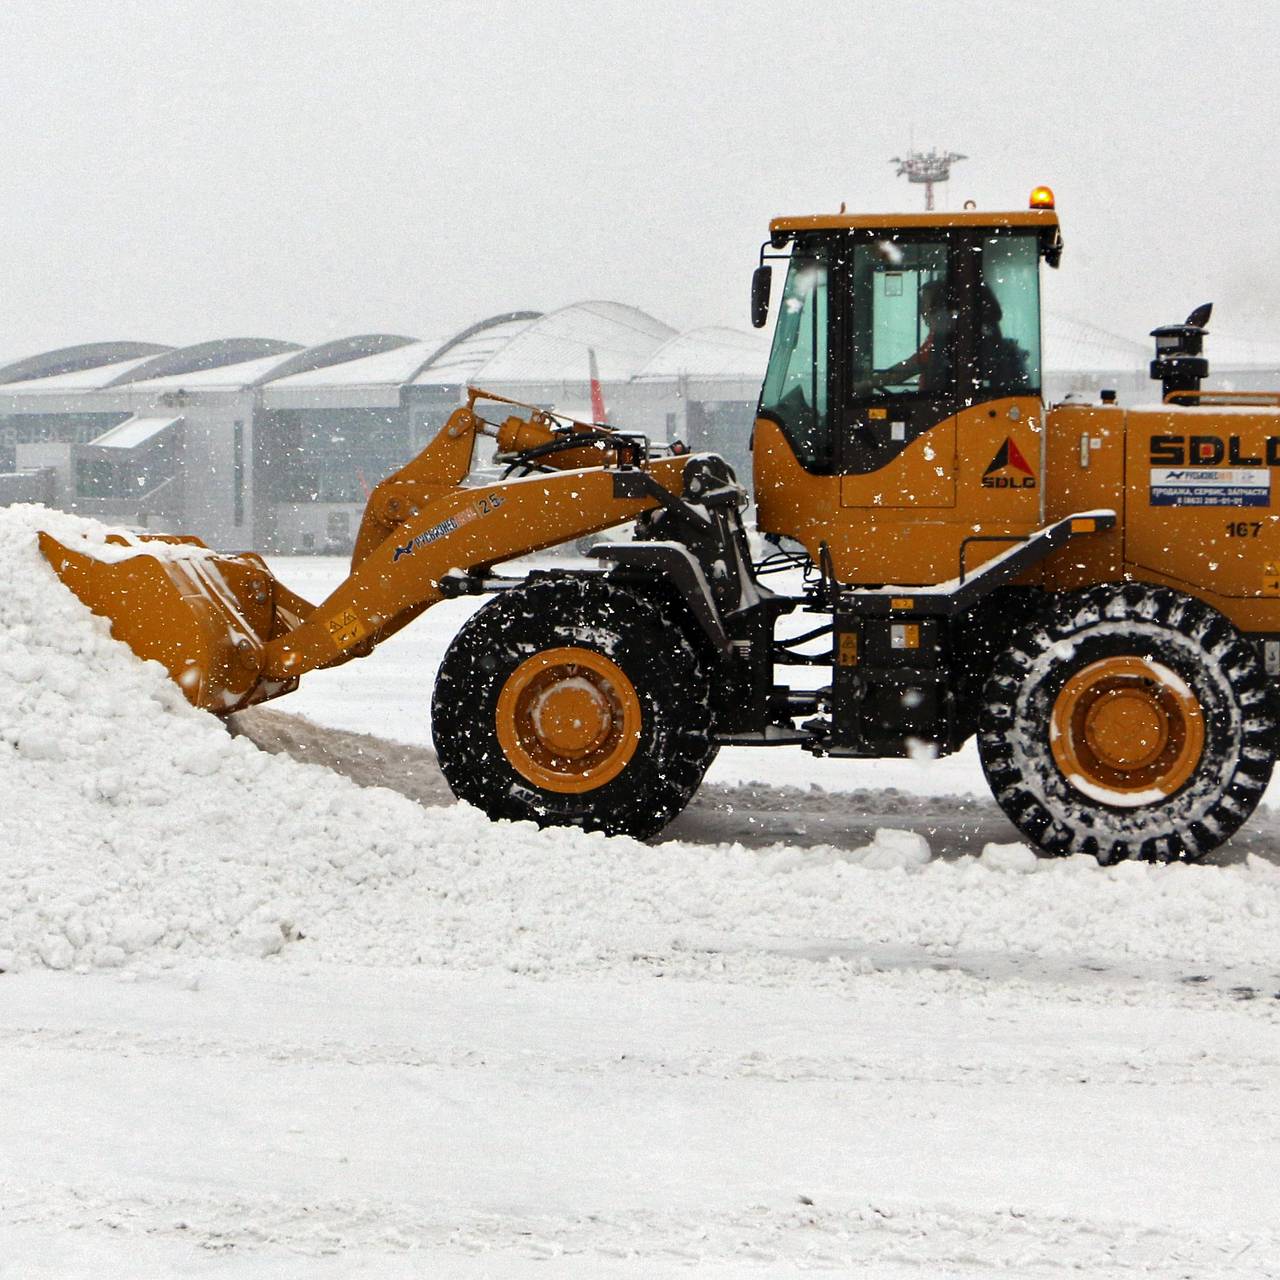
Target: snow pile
<point x="1020" y="858"/>
<point x="136" y="828"/>
<point x="135" y="822"/>
<point x="889" y="850"/>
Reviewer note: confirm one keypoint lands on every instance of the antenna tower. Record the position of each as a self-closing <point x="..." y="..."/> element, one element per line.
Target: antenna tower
<point x="927" y="167"/>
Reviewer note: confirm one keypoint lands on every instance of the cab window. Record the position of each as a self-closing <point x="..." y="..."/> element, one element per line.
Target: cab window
<point x="901" y="326"/>
<point x="795" y="391"/>
<point x="1008" y="317"/>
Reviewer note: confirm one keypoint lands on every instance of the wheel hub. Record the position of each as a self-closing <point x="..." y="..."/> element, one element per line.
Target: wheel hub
<point x="1126" y="731"/>
<point x="571" y="717"/>
<point x="568" y="719"/>
<point x="1124" y="728"/>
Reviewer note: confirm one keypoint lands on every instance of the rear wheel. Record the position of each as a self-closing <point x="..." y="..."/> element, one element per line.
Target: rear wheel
<point x="573" y="702"/>
<point x="1128" y="722"/>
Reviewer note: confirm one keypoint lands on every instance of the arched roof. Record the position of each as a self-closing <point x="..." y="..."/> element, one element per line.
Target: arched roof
<point x="1239" y="351"/>
<point x="556" y="347"/>
<point x="88" y="355"/>
<point x="518" y="347"/>
<point x="94" y="378"/>
<point x="325" y="355"/>
<point x="392" y="366"/>
<point x="1075" y="346"/>
<point x="713" y="352"/>
<point x="455" y="362"/>
<point x="205" y="356"/>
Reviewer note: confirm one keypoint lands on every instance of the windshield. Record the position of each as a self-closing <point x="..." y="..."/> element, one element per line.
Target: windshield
<point x="795" y="386"/>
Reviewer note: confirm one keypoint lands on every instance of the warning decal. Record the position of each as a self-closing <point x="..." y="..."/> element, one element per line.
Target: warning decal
<point x="346" y="629"/>
<point x="1210" y="487"/>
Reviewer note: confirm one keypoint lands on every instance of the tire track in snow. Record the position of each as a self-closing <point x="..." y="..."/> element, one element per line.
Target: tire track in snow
<point x="935" y="1239"/>
<point x="753" y="816"/>
<point x="1142" y="1069"/>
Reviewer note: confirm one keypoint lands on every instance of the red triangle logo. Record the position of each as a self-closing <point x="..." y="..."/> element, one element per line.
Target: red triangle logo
<point x="1016" y="459"/>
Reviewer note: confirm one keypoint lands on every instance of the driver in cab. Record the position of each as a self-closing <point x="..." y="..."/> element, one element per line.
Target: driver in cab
<point x="930" y="364"/>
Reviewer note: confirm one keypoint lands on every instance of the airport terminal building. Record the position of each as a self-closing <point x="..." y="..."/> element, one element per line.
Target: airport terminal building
<point x="262" y="443"/>
<point x="267" y="444"/>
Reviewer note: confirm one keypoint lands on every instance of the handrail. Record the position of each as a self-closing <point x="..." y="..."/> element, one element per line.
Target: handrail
<point x="1263" y="399"/>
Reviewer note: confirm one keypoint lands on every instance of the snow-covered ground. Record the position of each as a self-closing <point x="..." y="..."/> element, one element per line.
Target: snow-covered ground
<point x="259" y="1021"/>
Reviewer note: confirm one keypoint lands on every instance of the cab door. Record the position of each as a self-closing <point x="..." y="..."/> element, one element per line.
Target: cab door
<point x="939" y="410"/>
<point x="897" y="407"/>
<point x="899" y="419"/>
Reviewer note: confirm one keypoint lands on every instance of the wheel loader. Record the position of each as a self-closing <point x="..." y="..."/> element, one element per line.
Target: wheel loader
<point x="1091" y="590"/>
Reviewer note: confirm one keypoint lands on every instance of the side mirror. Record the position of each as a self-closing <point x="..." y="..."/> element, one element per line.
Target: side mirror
<point x="1051" y="247"/>
<point x="761" y="282"/>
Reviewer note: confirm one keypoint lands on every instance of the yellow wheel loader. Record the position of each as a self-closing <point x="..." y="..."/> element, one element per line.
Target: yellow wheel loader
<point x="1092" y="590"/>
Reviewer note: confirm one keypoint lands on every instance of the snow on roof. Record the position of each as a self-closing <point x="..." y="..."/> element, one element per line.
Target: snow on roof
<point x="133" y="432"/>
<point x="556" y="347"/>
<point x="84" y="355"/>
<point x="713" y="352"/>
<point x="1075" y="346"/>
<point x="392" y="367"/>
<point x="1233" y="351"/>
<point x="177" y="368"/>
<point x="242" y="374"/>
<point x="78" y="380"/>
<point x="456" y="364"/>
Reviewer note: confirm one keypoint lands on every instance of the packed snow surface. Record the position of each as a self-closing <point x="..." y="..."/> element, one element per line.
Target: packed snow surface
<point x="320" y="1029"/>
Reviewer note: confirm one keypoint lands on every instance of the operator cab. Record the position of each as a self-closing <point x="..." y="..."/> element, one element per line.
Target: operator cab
<point x="890" y="325"/>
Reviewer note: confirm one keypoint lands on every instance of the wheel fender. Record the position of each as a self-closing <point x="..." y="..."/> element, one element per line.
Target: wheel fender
<point x="676" y="563"/>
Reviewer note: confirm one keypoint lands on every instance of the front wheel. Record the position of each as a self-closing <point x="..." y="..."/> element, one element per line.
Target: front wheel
<point x="573" y="702"/>
<point x="1128" y="722"/>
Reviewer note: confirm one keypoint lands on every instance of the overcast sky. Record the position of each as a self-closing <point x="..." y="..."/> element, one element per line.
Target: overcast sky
<point x="177" y="172"/>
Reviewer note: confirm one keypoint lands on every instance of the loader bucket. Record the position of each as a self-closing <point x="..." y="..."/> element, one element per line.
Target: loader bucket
<point x="204" y="615"/>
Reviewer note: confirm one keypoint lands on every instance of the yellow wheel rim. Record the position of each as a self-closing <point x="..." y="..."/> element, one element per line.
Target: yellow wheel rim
<point x="568" y="720"/>
<point x="1127" y="731"/>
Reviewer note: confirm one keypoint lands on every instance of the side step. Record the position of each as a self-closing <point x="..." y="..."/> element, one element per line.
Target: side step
<point x="773" y="735"/>
<point x="961" y="593"/>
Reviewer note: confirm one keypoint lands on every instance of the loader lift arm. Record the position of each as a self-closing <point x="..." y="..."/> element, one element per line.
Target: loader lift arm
<point x="231" y="635"/>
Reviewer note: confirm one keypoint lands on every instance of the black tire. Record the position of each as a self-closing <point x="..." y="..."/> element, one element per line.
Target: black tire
<point x="1215" y="671"/>
<point x="672" y="749"/>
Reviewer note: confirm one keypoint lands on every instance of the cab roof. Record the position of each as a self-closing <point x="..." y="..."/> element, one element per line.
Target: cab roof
<point x="788" y="226"/>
